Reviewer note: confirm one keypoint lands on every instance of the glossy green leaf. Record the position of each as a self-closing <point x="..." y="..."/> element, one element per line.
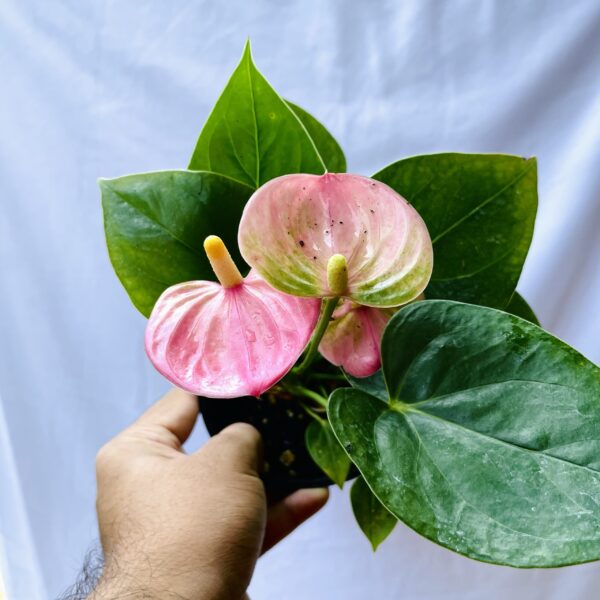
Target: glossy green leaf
<point x="480" y="210"/>
<point x="489" y="445"/>
<point x="155" y="225"/>
<point x="373" y="385"/>
<point x="252" y="135"/>
<point x="329" y="149"/>
<point x="519" y="306"/>
<point x="326" y="451"/>
<point x="374" y="519"/>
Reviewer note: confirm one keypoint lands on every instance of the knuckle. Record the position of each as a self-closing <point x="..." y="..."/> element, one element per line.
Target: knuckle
<point x="104" y="456"/>
<point x="244" y="432"/>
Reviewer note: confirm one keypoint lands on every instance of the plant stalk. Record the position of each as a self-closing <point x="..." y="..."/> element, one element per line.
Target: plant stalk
<point x="315" y="396"/>
<point x="328" y="305"/>
<point x="312" y="413"/>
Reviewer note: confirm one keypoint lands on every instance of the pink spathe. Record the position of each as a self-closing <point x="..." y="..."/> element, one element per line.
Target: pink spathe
<point x="353" y="339"/>
<point x="228" y="342"/>
<point x="294" y="224"/>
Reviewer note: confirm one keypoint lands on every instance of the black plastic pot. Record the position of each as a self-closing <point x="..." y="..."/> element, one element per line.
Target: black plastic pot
<point x="282" y="423"/>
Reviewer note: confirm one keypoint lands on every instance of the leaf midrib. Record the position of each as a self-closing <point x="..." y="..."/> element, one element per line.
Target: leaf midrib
<point x="407" y="408"/>
<point x="477" y="271"/>
<point x="458" y="494"/>
<point x="255" y="123"/>
<point x="514" y="181"/>
<point x="152" y="219"/>
<point x="484" y="385"/>
<point x="257" y="183"/>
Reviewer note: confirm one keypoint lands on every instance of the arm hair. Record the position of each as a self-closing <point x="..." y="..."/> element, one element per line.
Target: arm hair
<point x="88" y="578"/>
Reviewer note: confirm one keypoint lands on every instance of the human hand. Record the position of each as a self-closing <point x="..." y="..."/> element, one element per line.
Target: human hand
<point x="191" y="527"/>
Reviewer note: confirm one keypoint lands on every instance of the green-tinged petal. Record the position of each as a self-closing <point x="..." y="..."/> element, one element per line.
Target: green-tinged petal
<point x="294" y="224"/>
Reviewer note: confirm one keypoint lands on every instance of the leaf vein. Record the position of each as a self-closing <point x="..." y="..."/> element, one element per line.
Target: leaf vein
<point x="154" y="220"/>
<point x="485" y="202"/>
<point x="475" y="508"/>
<point x="512" y="445"/>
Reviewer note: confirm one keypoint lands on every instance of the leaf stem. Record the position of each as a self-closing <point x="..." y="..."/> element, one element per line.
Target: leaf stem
<point x="302" y="391"/>
<point x="312" y="413"/>
<point x="328" y="306"/>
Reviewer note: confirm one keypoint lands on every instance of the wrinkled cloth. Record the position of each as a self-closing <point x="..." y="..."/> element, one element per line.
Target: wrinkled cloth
<point x="105" y="88"/>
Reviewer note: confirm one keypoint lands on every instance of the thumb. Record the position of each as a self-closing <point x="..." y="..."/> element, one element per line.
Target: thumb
<point x="176" y="412"/>
<point x="236" y="448"/>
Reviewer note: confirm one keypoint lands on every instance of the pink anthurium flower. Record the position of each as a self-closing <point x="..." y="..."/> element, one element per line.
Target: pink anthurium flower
<point x="337" y="235"/>
<point x="353" y="338"/>
<point x="228" y="339"/>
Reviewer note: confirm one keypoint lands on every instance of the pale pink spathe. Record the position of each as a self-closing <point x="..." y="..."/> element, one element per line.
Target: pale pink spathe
<point x="353" y="338"/>
<point x="294" y="224"/>
<point x="228" y="342"/>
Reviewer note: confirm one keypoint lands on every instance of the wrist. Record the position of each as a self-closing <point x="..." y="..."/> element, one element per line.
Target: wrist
<point x="148" y="579"/>
<point x="134" y="588"/>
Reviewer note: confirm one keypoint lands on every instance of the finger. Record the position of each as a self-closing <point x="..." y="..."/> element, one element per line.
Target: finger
<point x="238" y="447"/>
<point x="292" y="511"/>
<point x="176" y="412"/>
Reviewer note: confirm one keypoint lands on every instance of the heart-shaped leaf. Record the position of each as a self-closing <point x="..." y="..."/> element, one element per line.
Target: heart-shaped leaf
<point x="373" y="385"/>
<point x="327" y="146"/>
<point x="252" y="135"/>
<point x="519" y="306"/>
<point x="326" y="451"/>
<point x="374" y="519"/>
<point x="489" y="442"/>
<point x="480" y="211"/>
<point x="155" y="224"/>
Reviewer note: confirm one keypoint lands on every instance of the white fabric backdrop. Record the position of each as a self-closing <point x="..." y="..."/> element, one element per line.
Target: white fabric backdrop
<point x="105" y="88"/>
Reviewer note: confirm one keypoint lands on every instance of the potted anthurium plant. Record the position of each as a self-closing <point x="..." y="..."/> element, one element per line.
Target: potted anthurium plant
<point x="369" y="327"/>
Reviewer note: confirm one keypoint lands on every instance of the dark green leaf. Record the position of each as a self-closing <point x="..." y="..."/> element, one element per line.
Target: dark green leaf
<point x="480" y="210"/>
<point x="374" y="519"/>
<point x="518" y="306"/>
<point x="326" y="451"/>
<point x="155" y="225"/>
<point x="489" y="445"/>
<point x="374" y="384"/>
<point x="329" y="149"/>
<point x="252" y="135"/>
